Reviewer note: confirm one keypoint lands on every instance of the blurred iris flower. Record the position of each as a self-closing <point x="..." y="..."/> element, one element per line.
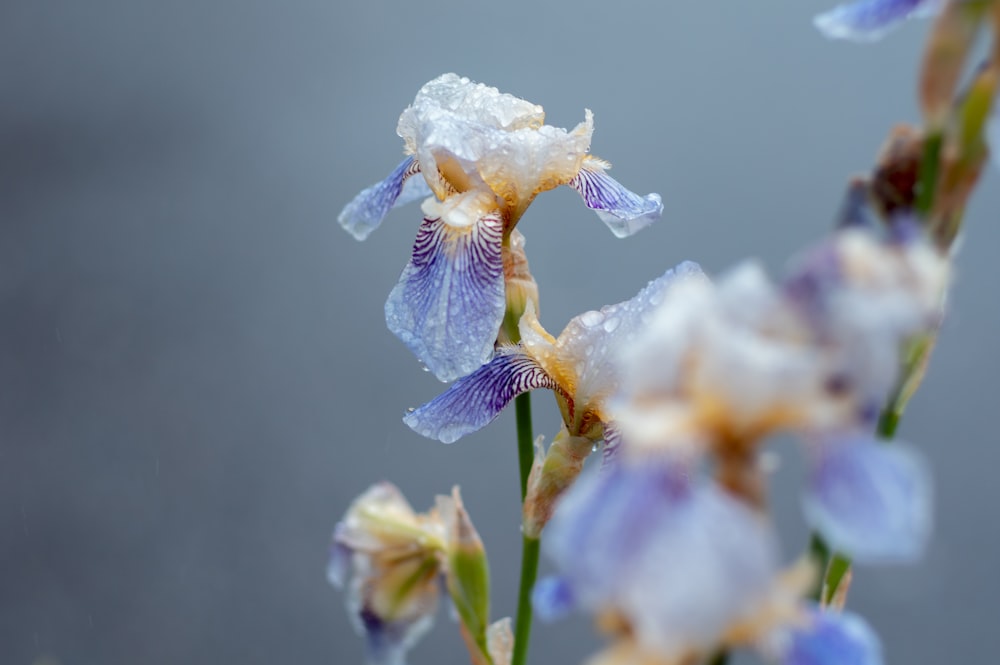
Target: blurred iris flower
<point x="396" y="563"/>
<point x="482" y="156"/>
<point x="679" y="562"/>
<point x="675" y="567"/>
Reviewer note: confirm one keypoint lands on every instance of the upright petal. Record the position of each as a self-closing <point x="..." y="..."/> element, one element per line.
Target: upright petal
<point x="367" y="210"/>
<point x="591" y="343"/>
<point x="449" y="302"/>
<point x="871" y="500"/>
<point x="831" y="638"/>
<point x="624" y="211"/>
<point x="476" y="400"/>
<point x="870" y="20"/>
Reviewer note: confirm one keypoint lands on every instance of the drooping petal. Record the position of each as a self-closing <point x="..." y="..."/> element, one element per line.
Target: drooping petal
<point x="449" y="302"/>
<point x="476" y="400"/>
<point x="624" y="211"/>
<point x="367" y="210"/>
<point x="831" y="638"/>
<point x="870" y="20"/>
<point x="871" y="500"/>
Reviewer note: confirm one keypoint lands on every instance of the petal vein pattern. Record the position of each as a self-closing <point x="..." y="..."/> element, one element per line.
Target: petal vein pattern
<point x="624" y="211"/>
<point x="449" y="302"/>
<point x="476" y="400"/>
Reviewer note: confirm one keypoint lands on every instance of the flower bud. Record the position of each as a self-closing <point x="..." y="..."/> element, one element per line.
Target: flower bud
<point x="551" y="474"/>
<point x="467" y="573"/>
<point x="394" y="558"/>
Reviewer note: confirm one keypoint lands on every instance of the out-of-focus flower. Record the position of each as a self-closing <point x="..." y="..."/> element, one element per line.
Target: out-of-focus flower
<point x="581" y="366"/>
<point x="720" y="367"/>
<point x="392" y="558"/>
<point x="675" y="567"/>
<point x="870" y="20"/>
<point x="395" y="563"/>
<point x="484" y="156"/>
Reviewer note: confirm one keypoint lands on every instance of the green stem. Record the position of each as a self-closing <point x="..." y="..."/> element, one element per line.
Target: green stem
<point x="529" y="546"/>
<point x="525" y="439"/>
<point x="929" y="168"/>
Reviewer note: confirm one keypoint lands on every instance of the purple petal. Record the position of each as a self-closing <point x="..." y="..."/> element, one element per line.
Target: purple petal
<point x="680" y="560"/>
<point x="449" y="302"/>
<point x="871" y="500"/>
<point x="870" y="20"/>
<point x="367" y="210"/>
<point x="553" y="598"/>
<point x="832" y="638"/>
<point x="476" y="400"/>
<point x="386" y="642"/>
<point x="624" y="211"/>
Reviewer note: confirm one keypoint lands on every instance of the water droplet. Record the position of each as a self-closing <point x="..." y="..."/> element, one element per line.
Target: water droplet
<point x="591" y="319"/>
<point x="425" y="368"/>
<point x="594" y="448"/>
<point x="411" y="409"/>
<point x="611" y="324"/>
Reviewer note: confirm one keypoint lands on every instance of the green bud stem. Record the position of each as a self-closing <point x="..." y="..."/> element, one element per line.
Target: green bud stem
<point x="529" y="546"/>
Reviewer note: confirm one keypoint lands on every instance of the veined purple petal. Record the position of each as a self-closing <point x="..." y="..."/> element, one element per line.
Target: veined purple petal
<point x="871" y="500"/>
<point x="832" y="638"/>
<point x="367" y="210"/>
<point x="624" y="211"/>
<point x="870" y="20"/>
<point x="449" y="302"/>
<point x="475" y="400"/>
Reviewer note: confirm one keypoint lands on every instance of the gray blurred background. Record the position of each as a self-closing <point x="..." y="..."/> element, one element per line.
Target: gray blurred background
<point x="195" y="375"/>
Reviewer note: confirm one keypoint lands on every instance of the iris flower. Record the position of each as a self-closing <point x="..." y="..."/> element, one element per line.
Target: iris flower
<point x="480" y="157"/>
<point x="677" y="568"/>
<point x="580" y="366"/>
<point x="870" y="20"/>
<point x="720" y="367"/>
